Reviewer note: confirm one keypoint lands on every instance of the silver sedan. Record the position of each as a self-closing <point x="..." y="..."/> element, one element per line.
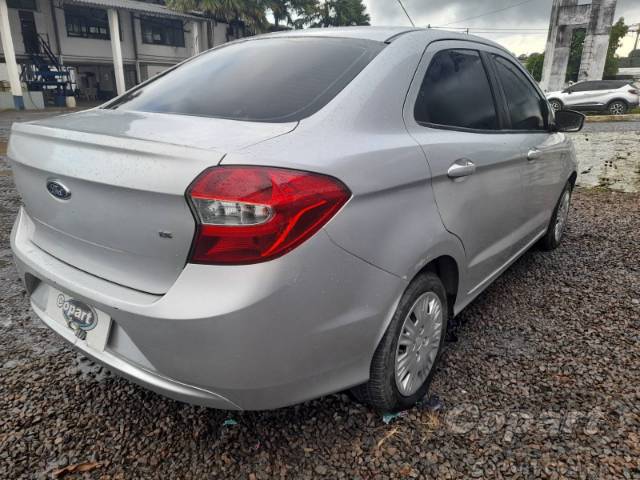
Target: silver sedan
<point x="290" y="215"/>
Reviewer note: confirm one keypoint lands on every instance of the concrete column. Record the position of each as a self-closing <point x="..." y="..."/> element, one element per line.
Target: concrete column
<point x="556" y="55"/>
<point x="116" y="50"/>
<point x="195" y="31"/>
<point x="596" y="43"/>
<point x="135" y="48"/>
<point x="10" y="56"/>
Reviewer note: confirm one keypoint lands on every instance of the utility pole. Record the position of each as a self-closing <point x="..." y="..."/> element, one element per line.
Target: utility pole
<point x="406" y="13"/>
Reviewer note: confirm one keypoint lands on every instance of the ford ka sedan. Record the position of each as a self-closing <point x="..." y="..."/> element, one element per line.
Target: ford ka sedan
<point x="290" y="215"/>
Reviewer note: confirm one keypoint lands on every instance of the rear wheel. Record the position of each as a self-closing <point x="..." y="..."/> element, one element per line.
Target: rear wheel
<point x="555" y="104"/>
<point x="618" y="107"/>
<point x="404" y="362"/>
<point x="558" y="223"/>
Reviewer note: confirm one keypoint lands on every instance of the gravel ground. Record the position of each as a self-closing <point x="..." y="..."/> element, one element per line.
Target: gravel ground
<point x="540" y="379"/>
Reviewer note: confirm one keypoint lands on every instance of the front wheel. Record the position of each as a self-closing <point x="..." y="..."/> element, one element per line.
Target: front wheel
<point x="618" y="108"/>
<point x="558" y="222"/>
<point x="404" y="362"/>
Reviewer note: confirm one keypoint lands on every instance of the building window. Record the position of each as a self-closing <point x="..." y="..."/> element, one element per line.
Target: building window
<point x="87" y="22"/>
<point x="162" y="31"/>
<point x="22" y="4"/>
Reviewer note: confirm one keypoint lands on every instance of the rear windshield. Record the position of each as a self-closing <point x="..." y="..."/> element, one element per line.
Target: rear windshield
<point x="266" y="80"/>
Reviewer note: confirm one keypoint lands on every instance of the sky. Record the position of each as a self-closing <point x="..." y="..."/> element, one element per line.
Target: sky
<point x="528" y="18"/>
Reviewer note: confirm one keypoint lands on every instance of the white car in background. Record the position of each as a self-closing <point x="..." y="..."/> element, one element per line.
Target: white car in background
<point x="616" y="97"/>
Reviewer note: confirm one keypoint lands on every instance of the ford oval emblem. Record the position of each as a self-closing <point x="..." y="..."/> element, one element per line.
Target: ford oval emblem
<point x="58" y="190"/>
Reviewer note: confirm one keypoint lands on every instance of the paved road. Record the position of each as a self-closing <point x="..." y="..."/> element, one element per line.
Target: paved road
<point x="611" y="127"/>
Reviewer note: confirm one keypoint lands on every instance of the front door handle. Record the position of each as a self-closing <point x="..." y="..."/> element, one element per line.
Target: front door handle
<point x="534" y="154"/>
<point x="461" y="168"/>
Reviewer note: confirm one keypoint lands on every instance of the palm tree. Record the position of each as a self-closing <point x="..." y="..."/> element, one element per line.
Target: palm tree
<point x="234" y="12"/>
<point x="335" y="13"/>
<point x="298" y="13"/>
<point x="286" y="11"/>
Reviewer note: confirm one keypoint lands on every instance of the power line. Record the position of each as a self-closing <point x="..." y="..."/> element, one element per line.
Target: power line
<point x="520" y="33"/>
<point x="406" y="13"/>
<point x="489" y="13"/>
<point x="493" y="29"/>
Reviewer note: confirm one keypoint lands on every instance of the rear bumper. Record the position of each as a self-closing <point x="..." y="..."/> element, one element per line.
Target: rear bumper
<point x="248" y="337"/>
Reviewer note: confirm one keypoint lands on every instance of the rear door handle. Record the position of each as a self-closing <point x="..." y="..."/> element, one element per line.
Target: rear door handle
<point x="534" y="154"/>
<point x="461" y="168"/>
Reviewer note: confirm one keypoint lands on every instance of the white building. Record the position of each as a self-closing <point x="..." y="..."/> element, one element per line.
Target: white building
<point x="76" y="35"/>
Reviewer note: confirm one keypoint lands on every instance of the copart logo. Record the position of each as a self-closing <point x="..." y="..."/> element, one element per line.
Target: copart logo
<point x="79" y="316"/>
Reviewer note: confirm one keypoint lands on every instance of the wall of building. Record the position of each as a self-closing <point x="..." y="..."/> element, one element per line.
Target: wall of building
<point x="93" y="50"/>
<point x="219" y="33"/>
<point x="148" y="52"/>
<point x="76" y="50"/>
<point x="608" y="159"/>
<point x="91" y="59"/>
<point x="44" y="25"/>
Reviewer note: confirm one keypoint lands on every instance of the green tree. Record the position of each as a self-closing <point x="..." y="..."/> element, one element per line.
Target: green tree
<point x="618" y="32"/>
<point x="236" y="13"/>
<point x="534" y="65"/>
<point x="286" y="11"/>
<point x="575" y="54"/>
<point x="334" y="13"/>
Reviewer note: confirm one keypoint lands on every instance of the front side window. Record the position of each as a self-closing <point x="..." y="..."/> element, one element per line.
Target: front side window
<point x="266" y="80"/>
<point x="523" y="101"/>
<point x="86" y="22"/>
<point x="456" y="93"/>
<point x="162" y="31"/>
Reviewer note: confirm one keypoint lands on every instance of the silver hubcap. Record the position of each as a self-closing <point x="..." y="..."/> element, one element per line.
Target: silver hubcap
<point x="563" y="214"/>
<point x="555" y="106"/>
<point x="617" y="109"/>
<point x="418" y="343"/>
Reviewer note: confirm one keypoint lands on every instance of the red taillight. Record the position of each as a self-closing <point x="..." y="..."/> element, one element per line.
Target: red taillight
<point x="254" y="214"/>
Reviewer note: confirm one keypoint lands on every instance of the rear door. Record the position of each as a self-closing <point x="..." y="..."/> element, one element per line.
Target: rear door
<point x="527" y="124"/>
<point x="582" y="95"/>
<point x="599" y="93"/>
<point x="452" y="112"/>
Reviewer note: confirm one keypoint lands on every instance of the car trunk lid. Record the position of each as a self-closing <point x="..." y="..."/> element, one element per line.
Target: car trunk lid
<point x="127" y="219"/>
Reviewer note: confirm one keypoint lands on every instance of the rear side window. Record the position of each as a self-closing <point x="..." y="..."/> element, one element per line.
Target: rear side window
<point x="456" y="92"/>
<point x="612" y="84"/>
<point x="268" y="80"/>
<point x="525" y="105"/>
<point x="584" y="87"/>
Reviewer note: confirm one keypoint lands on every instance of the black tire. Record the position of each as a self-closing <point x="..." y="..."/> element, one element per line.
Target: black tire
<point x="551" y="240"/>
<point x="381" y="391"/>
<point x="556" y="104"/>
<point x="617" y="107"/>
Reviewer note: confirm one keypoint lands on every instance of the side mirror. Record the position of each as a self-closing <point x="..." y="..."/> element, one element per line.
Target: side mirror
<point x="568" y="121"/>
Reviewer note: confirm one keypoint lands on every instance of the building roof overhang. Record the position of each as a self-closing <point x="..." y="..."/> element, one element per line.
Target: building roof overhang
<point x="151" y="9"/>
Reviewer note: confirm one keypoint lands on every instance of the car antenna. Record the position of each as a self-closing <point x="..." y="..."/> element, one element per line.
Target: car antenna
<point x="406" y="13"/>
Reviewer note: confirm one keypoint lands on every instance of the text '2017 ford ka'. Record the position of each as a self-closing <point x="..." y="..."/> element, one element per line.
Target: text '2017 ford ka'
<point x="290" y="215"/>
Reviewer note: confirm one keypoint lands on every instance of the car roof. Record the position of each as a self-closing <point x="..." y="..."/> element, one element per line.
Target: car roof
<point x="379" y="34"/>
